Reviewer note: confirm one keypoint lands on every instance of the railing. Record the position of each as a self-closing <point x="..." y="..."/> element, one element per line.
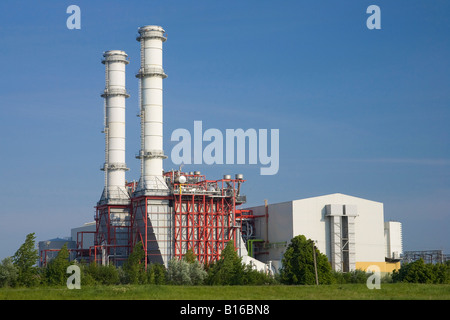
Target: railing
<point x="151" y="71"/>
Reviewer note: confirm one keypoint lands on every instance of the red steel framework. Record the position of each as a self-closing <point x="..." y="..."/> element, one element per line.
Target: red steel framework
<point x="204" y="218"/>
<point x="111" y="240"/>
<point x="204" y="222"/>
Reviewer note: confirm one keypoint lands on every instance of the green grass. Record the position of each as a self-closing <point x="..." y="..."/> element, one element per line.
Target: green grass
<point x="397" y="291"/>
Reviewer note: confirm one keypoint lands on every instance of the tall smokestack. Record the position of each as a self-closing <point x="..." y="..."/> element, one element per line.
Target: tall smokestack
<point x="151" y="75"/>
<point x="115" y="94"/>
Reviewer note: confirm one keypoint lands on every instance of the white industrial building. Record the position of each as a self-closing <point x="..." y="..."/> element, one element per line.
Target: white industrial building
<point x="393" y="239"/>
<point x="351" y="231"/>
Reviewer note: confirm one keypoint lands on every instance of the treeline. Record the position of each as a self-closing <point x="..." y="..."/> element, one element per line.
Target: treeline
<point x="21" y="271"/>
<point x="421" y="272"/>
<point x="303" y="264"/>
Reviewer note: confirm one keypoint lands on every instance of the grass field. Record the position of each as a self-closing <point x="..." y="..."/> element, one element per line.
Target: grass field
<point x="398" y="291"/>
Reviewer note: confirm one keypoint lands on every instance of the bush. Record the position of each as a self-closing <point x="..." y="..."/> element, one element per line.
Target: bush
<point x="107" y="275"/>
<point x="94" y="274"/>
<point x="187" y="271"/>
<point x="255" y="278"/>
<point x="88" y="274"/>
<point x="156" y="274"/>
<point x="178" y="272"/>
<point x="419" y="272"/>
<point x="8" y="273"/>
<point x="355" y="276"/>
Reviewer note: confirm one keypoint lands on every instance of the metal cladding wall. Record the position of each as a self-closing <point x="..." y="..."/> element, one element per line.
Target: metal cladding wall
<point x="340" y="225"/>
<point x="152" y="226"/>
<point x="112" y="235"/>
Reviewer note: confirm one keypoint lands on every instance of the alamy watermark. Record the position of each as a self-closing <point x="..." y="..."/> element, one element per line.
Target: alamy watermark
<point x="374" y="281"/>
<point x="231" y="147"/>
<point x="374" y="21"/>
<point x="74" y="20"/>
<point x="74" y="280"/>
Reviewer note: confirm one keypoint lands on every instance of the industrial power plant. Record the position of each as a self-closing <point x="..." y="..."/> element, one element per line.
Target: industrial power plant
<point x="171" y="212"/>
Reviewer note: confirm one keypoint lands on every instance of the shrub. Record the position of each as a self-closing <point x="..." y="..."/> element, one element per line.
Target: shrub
<point x="94" y="274"/>
<point x="8" y="273"/>
<point x="355" y="276"/>
<point x="158" y="273"/>
<point x="187" y="271"/>
<point x="254" y="277"/>
<point x="107" y="275"/>
<point x="419" y="272"/>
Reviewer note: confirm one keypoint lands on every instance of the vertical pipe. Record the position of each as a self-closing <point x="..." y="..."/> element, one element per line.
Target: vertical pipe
<point x="146" y="232"/>
<point x="267" y="220"/>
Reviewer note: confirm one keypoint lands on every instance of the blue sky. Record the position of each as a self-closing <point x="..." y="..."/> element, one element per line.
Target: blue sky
<point x="361" y="112"/>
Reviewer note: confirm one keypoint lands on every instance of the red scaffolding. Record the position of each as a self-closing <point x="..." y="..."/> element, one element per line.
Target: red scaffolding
<point x="204" y="218"/>
<point x="198" y="215"/>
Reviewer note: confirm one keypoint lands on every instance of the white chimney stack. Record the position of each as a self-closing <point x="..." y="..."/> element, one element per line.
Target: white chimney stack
<point x="151" y="75"/>
<point x="115" y="94"/>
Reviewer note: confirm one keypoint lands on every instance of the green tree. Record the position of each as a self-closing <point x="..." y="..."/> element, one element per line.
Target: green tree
<point x="134" y="266"/>
<point x="8" y="273"/>
<point x="228" y="270"/>
<point x="190" y="256"/>
<point x="442" y="271"/>
<point x="25" y="260"/>
<point x="157" y="274"/>
<point x="55" y="272"/>
<point x="298" y="264"/>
